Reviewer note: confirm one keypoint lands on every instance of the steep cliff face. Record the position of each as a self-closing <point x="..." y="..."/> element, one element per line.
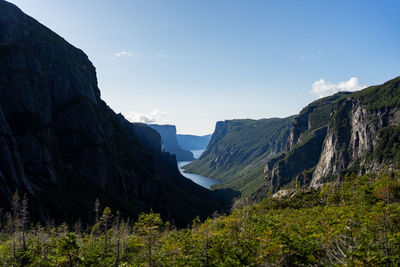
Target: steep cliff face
<point x="346" y="132"/>
<point x="303" y="147"/>
<point x="170" y="142"/>
<point x="238" y="151"/>
<point x="355" y="136"/>
<point x="294" y="164"/>
<point x="64" y="147"/>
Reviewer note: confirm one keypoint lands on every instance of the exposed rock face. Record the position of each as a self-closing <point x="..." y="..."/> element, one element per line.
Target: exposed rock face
<point x="290" y="165"/>
<point x="355" y="141"/>
<point x="303" y="147"/>
<point x="61" y="144"/>
<point x="12" y="174"/>
<point x="170" y="142"/>
<point x="299" y="126"/>
<point x="346" y="132"/>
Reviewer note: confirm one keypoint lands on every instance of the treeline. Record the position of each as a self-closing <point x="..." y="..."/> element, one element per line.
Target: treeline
<point x="355" y="222"/>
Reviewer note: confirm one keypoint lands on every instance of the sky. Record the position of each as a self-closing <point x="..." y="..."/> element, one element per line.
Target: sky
<point x="192" y="63"/>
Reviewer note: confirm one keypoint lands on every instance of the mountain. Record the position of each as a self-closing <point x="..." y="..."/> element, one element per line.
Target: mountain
<point x="64" y="147"/>
<point x="239" y="150"/>
<point x="341" y="134"/>
<point x="304" y="145"/>
<point x="193" y="142"/>
<point x="337" y="135"/>
<point x="170" y="142"/>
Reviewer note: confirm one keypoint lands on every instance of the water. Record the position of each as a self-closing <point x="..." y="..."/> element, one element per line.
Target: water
<point x="197" y="153"/>
<point x="198" y="179"/>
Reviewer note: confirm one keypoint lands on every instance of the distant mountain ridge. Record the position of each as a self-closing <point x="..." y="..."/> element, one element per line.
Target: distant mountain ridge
<point x="193" y="142"/>
<point x="170" y="142"/>
<point x="64" y="147"/>
<point x="238" y="151"/>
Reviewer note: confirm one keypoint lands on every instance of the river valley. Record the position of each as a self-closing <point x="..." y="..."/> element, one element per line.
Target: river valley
<point x="206" y="182"/>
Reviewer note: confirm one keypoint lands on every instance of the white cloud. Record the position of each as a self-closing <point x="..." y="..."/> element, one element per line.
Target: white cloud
<point x="307" y="56"/>
<point x="126" y="54"/>
<point x="322" y="88"/>
<point x="301" y="58"/>
<point x="155" y="116"/>
<point x="158" y="113"/>
<point x="161" y="55"/>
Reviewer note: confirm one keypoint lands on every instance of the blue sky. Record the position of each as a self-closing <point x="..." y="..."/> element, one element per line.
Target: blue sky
<point x="192" y="63"/>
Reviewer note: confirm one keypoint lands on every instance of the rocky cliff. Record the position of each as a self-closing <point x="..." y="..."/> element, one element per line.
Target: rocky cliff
<point x="238" y="151"/>
<point x="362" y="135"/>
<point x="64" y="147"/>
<point x="303" y="147"/>
<point x="347" y="132"/>
<point x="170" y="142"/>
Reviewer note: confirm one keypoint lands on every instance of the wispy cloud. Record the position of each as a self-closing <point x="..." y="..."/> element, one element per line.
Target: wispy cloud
<point x="161" y="55"/>
<point x="307" y="56"/>
<point x="155" y="115"/>
<point x="321" y="88"/>
<point x="126" y="54"/>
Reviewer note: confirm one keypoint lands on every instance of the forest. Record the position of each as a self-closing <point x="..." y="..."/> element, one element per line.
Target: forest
<point x="354" y="222"/>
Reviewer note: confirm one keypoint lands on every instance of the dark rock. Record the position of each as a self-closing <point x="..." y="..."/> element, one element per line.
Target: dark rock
<point x="170" y="142"/>
<point x="64" y="147"/>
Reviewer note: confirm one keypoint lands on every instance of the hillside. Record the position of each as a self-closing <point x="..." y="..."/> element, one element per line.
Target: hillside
<point x="64" y="147"/>
<point x="304" y="145"/>
<point x="193" y="142"/>
<point x="170" y="142"/>
<point x="348" y="132"/>
<point x="238" y="151"/>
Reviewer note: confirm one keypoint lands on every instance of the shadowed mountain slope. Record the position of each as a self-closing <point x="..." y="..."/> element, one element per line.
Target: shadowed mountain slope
<point x="64" y="147"/>
<point x="170" y="142"/>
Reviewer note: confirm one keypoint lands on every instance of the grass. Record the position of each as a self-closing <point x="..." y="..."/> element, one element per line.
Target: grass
<point x="239" y="150"/>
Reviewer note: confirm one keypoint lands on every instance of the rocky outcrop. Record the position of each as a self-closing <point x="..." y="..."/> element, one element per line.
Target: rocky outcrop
<point x="170" y="142"/>
<point x="353" y="139"/>
<point x="347" y="132"/>
<point x="303" y="147"/>
<point x="287" y="167"/>
<point x="64" y="147"/>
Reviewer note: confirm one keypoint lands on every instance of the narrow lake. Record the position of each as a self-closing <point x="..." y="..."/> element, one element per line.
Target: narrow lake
<point x="198" y="179"/>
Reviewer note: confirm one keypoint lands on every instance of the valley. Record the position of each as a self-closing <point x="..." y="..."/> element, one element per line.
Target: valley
<point x="206" y="182"/>
<point x="64" y="147"/>
<point x="82" y="184"/>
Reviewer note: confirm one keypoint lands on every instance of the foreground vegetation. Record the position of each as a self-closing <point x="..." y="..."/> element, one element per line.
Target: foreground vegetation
<point x="356" y="222"/>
